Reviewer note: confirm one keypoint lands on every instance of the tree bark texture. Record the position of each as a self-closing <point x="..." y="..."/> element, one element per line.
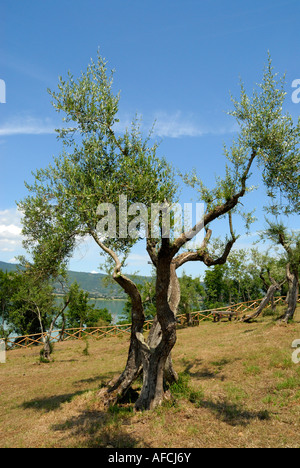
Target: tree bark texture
<point x="268" y="297"/>
<point x="155" y="357"/>
<point x="119" y="385"/>
<point x="293" y="282"/>
<point x="135" y="364"/>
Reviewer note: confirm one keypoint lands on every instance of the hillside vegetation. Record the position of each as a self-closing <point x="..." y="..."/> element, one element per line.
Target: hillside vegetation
<point x="238" y="388"/>
<point x="96" y="284"/>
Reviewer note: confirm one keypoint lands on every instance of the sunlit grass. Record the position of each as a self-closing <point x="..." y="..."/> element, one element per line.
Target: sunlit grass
<point x="238" y="387"/>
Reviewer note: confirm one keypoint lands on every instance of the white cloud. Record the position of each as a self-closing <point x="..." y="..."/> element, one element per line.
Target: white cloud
<point x="27" y="126"/>
<point x="13" y="260"/>
<point x="173" y="125"/>
<point x="177" y="125"/>
<point x="10" y="230"/>
<point x="166" y="125"/>
<point x="138" y="259"/>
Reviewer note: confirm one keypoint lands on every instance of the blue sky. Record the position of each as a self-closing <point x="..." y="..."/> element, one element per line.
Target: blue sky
<point x="175" y="61"/>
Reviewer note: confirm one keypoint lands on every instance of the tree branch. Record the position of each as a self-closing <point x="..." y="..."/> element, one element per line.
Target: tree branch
<point x="215" y="212"/>
<point x="126" y="283"/>
<point x="203" y="255"/>
<point x="151" y="249"/>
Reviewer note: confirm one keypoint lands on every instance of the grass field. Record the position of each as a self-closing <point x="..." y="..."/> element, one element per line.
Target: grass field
<point x="238" y="388"/>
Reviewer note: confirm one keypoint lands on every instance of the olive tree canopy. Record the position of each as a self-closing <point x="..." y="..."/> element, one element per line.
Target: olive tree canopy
<point x="99" y="165"/>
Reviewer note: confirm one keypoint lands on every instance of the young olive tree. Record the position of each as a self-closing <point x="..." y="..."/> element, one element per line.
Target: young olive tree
<point x="98" y="166"/>
<point x="290" y="242"/>
<point x="271" y="272"/>
<point x="35" y="308"/>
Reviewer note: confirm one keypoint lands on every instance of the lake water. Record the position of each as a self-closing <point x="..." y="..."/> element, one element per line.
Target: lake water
<point x="115" y="307"/>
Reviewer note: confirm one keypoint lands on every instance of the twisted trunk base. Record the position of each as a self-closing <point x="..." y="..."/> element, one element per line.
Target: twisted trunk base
<point x="156" y="353"/>
<point x="157" y="371"/>
<point x="117" y="388"/>
<point x="152" y="357"/>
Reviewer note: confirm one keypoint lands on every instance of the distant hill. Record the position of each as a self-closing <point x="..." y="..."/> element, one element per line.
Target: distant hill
<point x="7" y="266"/>
<point x="96" y="284"/>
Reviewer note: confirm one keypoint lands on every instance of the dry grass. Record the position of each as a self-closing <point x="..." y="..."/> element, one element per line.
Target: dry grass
<point x="239" y="388"/>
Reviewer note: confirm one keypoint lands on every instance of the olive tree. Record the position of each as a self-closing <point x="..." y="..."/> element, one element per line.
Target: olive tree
<point x="278" y="233"/>
<point x="271" y="272"/>
<point x="99" y="165"/>
<point x="96" y="166"/>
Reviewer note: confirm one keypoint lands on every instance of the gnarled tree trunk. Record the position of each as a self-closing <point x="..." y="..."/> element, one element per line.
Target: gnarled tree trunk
<point x="293" y="282"/>
<point x="135" y="364"/>
<point x="269" y="297"/>
<point x="154" y="358"/>
<point x="119" y="385"/>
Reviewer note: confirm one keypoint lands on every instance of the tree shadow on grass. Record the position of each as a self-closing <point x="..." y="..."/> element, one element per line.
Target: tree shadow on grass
<point x="91" y="428"/>
<point x="50" y="403"/>
<point x="89" y="380"/>
<point x="54" y="402"/>
<point x="202" y="372"/>
<point x="99" y="429"/>
<point x="232" y="413"/>
<point x="99" y="378"/>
